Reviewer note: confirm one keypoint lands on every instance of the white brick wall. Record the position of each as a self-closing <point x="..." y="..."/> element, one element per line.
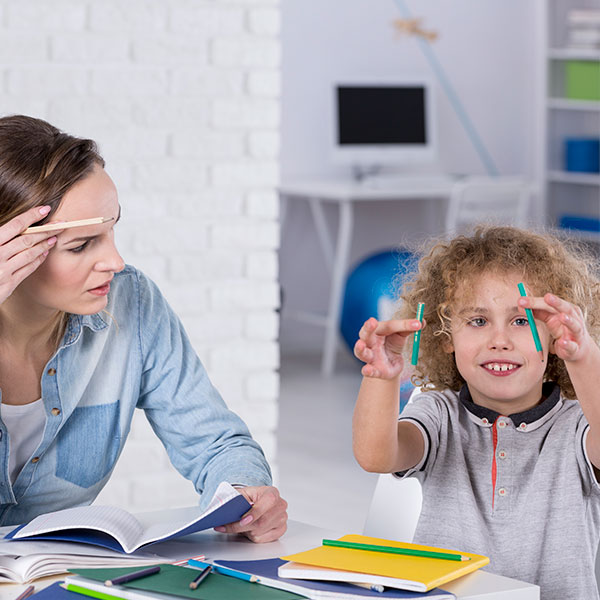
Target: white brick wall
<point x="183" y="99"/>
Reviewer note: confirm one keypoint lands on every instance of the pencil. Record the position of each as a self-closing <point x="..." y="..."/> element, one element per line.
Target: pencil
<point x="201" y="577"/>
<point x="532" y="325"/>
<point x="395" y="550"/>
<point x="25" y="593"/>
<point x="133" y="576"/>
<point x="225" y="571"/>
<point x="86" y="592"/>
<point x="67" y="225"/>
<point x="417" y="336"/>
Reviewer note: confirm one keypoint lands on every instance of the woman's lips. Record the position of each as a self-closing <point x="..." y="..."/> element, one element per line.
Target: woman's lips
<point x="101" y="290"/>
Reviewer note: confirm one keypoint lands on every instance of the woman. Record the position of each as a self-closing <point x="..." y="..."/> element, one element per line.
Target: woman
<point x="85" y="339"/>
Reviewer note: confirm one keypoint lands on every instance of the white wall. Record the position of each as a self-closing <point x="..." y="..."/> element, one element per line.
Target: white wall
<point x="484" y="47"/>
<point x="183" y="98"/>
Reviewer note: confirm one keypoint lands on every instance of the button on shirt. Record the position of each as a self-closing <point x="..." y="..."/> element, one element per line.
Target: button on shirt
<point x="134" y="355"/>
<point x="517" y="488"/>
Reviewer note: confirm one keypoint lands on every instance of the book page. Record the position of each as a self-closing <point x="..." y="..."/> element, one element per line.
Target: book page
<point x="156" y="528"/>
<point x="112" y="520"/>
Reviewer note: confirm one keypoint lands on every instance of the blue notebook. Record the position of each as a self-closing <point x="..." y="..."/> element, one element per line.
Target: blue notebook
<point x="266" y="570"/>
<point x="115" y="528"/>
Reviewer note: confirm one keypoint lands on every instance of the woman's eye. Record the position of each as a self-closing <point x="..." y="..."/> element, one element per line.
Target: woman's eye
<point x="79" y="248"/>
<point x="477" y="322"/>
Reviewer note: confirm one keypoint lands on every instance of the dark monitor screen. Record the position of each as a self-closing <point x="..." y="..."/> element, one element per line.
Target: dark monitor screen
<point x="381" y="115"/>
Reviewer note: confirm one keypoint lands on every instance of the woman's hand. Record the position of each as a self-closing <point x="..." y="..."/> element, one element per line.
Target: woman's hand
<point x="565" y="323"/>
<point x="266" y="521"/>
<point x="21" y="255"/>
<point x="380" y="346"/>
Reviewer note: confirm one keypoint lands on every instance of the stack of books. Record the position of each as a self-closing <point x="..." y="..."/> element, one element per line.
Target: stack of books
<point x="584" y="29"/>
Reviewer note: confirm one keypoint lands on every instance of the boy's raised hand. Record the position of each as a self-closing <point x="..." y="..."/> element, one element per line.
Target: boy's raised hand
<point x="565" y="323"/>
<point x="380" y="346"/>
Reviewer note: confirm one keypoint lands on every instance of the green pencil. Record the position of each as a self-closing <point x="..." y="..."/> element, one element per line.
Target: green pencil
<point x="417" y="336"/>
<point x="396" y="550"/>
<point x="93" y="593"/>
<point x="532" y="325"/>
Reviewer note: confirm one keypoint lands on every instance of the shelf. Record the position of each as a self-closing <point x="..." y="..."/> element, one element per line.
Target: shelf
<point x="574" y="54"/>
<point x="576" y="178"/>
<point x="566" y="104"/>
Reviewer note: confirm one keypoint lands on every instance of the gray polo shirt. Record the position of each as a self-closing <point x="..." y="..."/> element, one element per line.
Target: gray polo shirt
<point x="518" y="488"/>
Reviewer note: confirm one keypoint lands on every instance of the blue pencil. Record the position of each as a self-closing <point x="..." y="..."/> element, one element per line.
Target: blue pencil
<point x="223" y="570"/>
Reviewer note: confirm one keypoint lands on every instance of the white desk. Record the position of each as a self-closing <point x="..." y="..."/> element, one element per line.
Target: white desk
<point x="480" y="585"/>
<point x="344" y="195"/>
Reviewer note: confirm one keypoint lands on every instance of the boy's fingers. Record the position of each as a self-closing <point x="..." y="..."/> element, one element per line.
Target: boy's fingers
<point x="400" y="326"/>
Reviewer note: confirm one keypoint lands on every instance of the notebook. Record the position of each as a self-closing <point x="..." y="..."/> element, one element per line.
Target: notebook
<point x="414" y="573"/>
<point x="173" y="581"/>
<point x="117" y="529"/>
<point x="266" y="570"/>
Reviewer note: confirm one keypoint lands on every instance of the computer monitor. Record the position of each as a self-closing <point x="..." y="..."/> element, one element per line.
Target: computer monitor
<point x="383" y="123"/>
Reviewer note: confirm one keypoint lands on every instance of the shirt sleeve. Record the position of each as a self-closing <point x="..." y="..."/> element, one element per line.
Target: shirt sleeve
<point x="206" y="442"/>
<point x="590" y="483"/>
<point x="425" y="413"/>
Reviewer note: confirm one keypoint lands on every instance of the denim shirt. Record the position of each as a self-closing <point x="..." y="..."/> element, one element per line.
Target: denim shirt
<point x="135" y="354"/>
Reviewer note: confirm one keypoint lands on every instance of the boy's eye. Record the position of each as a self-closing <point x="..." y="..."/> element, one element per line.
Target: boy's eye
<point x="521" y="322"/>
<point x="79" y="248"/>
<point x="477" y="322"/>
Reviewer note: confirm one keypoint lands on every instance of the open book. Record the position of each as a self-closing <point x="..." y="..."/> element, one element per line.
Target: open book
<point x="115" y="528"/>
<point x="415" y="573"/>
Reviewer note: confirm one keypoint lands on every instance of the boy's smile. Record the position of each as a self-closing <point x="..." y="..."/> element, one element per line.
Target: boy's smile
<point x="493" y="346"/>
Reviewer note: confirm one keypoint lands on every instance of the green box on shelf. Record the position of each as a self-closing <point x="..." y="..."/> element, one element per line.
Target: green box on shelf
<point x="582" y="79"/>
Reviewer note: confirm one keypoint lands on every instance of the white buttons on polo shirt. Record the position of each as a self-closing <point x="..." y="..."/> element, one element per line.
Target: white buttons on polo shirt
<point x="502" y="492"/>
<point x="502" y="454"/>
<point x="485" y="421"/>
<point x="501" y="423"/>
<point x="523" y="426"/>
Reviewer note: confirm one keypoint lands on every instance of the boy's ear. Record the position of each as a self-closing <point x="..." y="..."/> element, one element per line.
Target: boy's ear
<point x="447" y="345"/>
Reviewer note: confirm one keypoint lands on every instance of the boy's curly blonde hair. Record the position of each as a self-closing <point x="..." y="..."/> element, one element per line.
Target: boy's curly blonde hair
<point x="545" y="262"/>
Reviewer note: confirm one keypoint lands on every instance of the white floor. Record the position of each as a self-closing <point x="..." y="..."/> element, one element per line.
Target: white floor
<point x="317" y="473"/>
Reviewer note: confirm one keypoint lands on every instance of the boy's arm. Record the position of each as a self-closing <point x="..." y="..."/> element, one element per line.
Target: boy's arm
<point x="381" y="443"/>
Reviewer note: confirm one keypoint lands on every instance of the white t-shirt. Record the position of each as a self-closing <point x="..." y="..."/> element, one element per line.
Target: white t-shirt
<point x="25" y="424"/>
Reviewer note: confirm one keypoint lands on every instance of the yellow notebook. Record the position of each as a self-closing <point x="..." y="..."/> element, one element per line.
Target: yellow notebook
<point x="414" y="573"/>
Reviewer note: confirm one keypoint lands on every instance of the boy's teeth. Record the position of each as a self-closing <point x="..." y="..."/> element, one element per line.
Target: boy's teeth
<point x="500" y="367"/>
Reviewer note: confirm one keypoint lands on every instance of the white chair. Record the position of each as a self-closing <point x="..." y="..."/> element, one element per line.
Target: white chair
<point x="497" y="200"/>
<point x="395" y="508"/>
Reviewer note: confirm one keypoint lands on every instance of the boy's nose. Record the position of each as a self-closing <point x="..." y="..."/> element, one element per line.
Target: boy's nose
<point x="500" y="340"/>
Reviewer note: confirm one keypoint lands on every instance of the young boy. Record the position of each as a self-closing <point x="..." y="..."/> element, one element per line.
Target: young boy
<point x="506" y="445"/>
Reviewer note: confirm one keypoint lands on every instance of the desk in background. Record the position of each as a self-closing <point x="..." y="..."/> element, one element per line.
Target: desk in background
<point x="480" y="585"/>
<point x="336" y="250"/>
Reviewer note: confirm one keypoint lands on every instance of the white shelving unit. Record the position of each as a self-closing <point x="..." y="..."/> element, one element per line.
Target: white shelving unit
<point x="565" y="192"/>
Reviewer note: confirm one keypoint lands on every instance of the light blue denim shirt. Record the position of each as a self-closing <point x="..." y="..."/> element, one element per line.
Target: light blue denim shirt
<point x="103" y="370"/>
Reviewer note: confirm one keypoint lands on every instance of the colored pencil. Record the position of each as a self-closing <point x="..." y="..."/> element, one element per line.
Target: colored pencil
<point x="395" y="550"/>
<point x="417" y="336"/>
<point x="25" y="593"/>
<point x="133" y="576"/>
<point x="532" y="325"/>
<point x="224" y="571"/>
<point x="201" y="577"/>
<point x="67" y="225"/>
<point x="93" y="593"/>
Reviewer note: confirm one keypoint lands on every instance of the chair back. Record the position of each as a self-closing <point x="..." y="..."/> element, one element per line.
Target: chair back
<point x="497" y="200"/>
<point x="395" y="508"/>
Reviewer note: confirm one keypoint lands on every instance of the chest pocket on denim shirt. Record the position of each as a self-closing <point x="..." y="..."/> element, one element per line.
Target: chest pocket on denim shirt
<point x="88" y="444"/>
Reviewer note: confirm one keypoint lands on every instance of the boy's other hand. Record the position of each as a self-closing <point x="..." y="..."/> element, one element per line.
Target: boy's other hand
<point x="380" y="346"/>
<point x="565" y="323"/>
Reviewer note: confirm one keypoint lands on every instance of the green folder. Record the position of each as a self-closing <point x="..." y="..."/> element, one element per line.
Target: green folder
<point x="175" y="581"/>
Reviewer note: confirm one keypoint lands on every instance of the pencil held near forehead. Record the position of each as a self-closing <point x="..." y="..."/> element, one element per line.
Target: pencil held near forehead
<point x="68" y="225"/>
<point x="532" y="325"/>
<point x="417" y="335"/>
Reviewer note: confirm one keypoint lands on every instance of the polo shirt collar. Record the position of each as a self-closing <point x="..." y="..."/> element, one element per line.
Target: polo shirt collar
<point x="550" y="391"/>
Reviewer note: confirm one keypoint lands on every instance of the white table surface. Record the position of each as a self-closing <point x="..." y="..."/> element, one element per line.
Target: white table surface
<point x="480" y="585"/>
